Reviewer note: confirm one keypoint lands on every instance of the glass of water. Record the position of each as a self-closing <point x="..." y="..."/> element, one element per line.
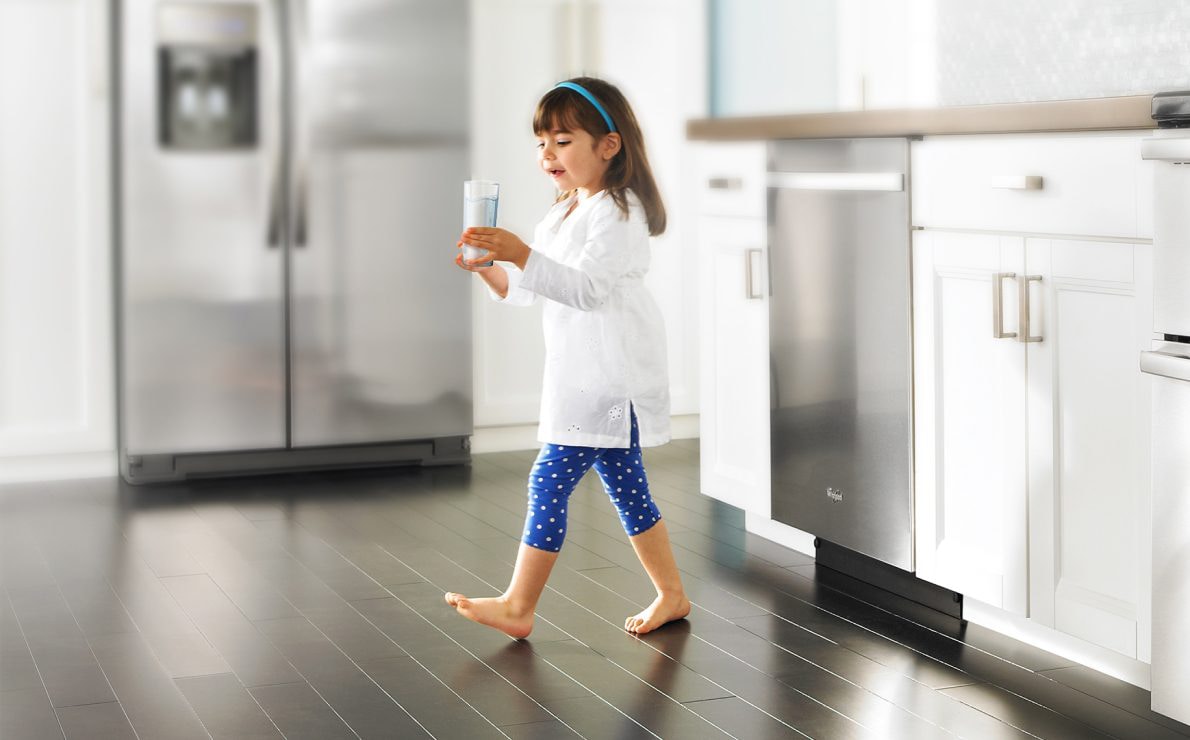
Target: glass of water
<point x="480" y="200"/>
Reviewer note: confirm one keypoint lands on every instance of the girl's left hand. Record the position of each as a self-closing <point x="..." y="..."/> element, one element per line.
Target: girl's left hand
<point x="501" y="245"/>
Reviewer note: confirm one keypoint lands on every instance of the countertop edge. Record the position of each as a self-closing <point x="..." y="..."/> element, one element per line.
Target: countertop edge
<point x="1090" y="114"/>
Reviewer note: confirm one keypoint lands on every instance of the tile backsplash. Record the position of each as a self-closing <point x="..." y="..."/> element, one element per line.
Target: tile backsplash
<point x="998" y="51"/>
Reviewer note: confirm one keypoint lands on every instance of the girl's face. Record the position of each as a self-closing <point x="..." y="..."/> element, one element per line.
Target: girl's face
<point x="575" y="160"/>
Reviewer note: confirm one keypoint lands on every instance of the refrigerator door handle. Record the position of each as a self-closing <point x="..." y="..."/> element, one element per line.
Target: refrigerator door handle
<point x="998" y="305"/>
<point x="299" y="27"/>
<point x="300" y="196"/>
<point x="1026" y="336"/>
<point x="273" y="225"/>
<point x="274" y="221"/>
<point x="1165" y="364"/>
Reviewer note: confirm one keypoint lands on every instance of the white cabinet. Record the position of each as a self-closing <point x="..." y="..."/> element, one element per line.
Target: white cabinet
<point x="733" y="285"/>
<point x="1031" y="448"/>
<point x="969" y="419"/>
<point x="56" y="387"/>
<point x="1089" y="441"/>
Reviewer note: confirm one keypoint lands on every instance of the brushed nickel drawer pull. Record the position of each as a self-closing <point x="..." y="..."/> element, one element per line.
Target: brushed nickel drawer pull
<point x="1018" y="182"/>
<point x="725" y="183"/>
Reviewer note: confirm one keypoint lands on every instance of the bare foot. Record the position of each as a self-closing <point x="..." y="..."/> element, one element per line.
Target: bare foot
<point x="664" y="609"/>
<point x="493" y="612"/>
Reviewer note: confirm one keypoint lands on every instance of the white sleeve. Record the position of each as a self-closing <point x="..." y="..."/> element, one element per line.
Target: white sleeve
<point x="516" y="295"/>
<point x="603" y="261"/>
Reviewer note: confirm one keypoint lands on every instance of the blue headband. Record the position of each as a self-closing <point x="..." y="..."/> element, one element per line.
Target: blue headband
<point x="583" y="91"/>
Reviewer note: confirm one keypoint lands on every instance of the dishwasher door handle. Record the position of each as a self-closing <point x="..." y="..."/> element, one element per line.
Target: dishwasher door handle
<point x="888" y="182"/>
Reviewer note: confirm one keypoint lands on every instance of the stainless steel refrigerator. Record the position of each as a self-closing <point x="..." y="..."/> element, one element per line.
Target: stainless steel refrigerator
<point x="839" y="343"/>
<point x="288" y="200"/>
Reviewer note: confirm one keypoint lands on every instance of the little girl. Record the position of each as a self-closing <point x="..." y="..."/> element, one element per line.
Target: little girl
<point x="605" y="389"/>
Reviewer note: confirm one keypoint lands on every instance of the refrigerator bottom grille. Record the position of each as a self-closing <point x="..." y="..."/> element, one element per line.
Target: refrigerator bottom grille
<point x="163" y="467"/>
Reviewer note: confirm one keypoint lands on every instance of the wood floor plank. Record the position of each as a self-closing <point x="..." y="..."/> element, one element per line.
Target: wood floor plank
<point x="947" y="713"/>
<point x="821" y="685"/>
<point x="300" y="713"/>
<point x="440" y="711"/>
<point x="634" y="698"/>
<point x="17" y="671"/>
<point x="154" y="706"/>
<point x="26" y="714"/>
<point x="227" y="710"/>
<point x="96" y="608"/>
<point x="1021" y="713"/>
<point x="740" y="719"/>
<point x="593" y="717"/>
<point x="103" y="721"/>
<point x="1131" y="698"/>
<point x="64" y="660"/>
<point x="339" y="681"/>
<point x="254" y="661"/>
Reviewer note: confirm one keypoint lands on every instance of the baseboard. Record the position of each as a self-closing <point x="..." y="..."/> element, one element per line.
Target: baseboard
<point x="1102" y="659"/>
<point x="782" y="534"/>
<point x="524" y="436"/>
<point x="32" y="468"/>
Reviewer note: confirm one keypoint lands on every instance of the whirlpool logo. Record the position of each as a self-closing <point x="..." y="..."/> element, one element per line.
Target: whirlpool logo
<point x="835" y="494"/>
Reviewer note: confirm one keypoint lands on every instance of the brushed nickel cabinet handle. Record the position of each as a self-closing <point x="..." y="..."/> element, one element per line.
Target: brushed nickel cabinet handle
<point x="1018" y="182"/>
<point x="725" y="183"/>
<point x="998" y="305"/>
<point x="1025" y="335"/>
<point x="749" y="283"/>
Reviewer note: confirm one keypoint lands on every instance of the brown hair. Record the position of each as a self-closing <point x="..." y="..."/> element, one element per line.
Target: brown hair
<point x="567" y="110"/>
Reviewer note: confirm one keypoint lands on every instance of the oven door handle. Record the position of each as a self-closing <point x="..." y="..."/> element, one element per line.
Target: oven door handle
<point x="1165" y="364"/>
<point x="1161" y="149"/>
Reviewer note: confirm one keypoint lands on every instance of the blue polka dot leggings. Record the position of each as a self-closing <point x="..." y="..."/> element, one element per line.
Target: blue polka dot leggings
<point x="558" y="470"/>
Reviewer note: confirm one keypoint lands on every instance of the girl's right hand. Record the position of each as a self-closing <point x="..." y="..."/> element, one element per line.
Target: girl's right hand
<point x="480" y="264"/>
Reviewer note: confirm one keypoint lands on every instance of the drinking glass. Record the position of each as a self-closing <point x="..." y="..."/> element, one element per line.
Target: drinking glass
<point x="480" y="200"/>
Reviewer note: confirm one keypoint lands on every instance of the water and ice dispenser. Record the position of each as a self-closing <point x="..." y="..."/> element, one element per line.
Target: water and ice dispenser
<point x="207" y="75"/>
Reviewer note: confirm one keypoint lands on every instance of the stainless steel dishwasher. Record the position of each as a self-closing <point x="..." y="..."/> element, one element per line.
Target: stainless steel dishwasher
<point x="839" y="329"/>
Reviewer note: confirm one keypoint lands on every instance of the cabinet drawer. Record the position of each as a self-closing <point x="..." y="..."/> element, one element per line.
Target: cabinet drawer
<point x="730" y="179"/>
<point x="1088" y="184"/>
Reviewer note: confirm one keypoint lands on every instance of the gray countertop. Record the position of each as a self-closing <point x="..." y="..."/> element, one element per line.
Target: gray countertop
<point x="1093" y="114"/>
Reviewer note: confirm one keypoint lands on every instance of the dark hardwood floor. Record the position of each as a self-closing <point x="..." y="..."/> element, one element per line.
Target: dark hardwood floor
<point x="310" y="606"/>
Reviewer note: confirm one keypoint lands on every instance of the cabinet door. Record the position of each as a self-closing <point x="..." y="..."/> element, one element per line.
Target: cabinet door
<point x="1089" y="414"/>
<point x="56" y="381"/>
<point x="969" y="409"/>
<point x="734" y="423"/>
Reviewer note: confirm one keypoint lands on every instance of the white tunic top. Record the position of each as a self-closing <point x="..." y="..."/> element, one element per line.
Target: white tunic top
<point x="604" y="334"/>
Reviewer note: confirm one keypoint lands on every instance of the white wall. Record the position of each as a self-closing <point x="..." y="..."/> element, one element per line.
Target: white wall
<point x="776" y="56"/>
<point x="773" y="56"/>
